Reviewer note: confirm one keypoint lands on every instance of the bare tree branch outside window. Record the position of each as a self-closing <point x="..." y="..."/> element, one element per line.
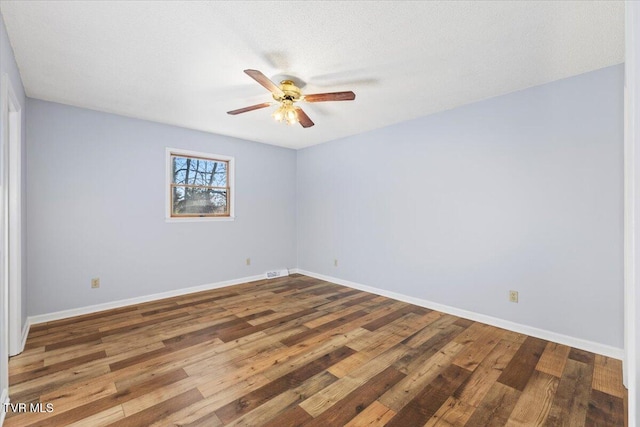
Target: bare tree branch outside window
<point x="199" y="187"/>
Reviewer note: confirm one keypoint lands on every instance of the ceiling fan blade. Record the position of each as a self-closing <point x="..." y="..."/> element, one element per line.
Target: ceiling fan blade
<point x="251" y="108"/>
<point x="264" y="81"/>
<point x="304" y="120"/>
<point x="332" y="96"/>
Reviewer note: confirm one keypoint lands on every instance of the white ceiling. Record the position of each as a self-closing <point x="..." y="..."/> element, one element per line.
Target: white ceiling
<point x="181" y="62"/>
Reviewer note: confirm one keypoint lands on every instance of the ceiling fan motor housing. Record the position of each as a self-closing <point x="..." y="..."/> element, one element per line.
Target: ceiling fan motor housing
<point x="290" y="91"/>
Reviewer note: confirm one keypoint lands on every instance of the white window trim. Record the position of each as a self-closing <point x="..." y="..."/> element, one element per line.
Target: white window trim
<point x="169" y="179"/>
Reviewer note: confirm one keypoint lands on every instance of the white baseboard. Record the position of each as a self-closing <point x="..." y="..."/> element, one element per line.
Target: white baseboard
<point x="594" y="347"/>
<point x="48" y="317"/>
<point x="4" y="401"/>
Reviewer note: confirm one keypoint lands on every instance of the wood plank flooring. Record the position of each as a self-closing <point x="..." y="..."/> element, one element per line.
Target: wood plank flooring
<point x="300" y="351"/>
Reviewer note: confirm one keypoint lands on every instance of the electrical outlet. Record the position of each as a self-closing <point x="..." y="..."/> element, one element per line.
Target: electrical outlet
<point x="335" y="262"/>
<point x="95" y="282"/>
<point x="248" y="261"/>
<point x="513" y="296"/>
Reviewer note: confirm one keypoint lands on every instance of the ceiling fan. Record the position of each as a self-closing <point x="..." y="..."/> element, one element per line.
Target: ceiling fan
<point x="287" y="94"/>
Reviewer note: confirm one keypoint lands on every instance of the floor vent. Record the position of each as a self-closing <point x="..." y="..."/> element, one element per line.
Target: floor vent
<point x="277" y="273"/>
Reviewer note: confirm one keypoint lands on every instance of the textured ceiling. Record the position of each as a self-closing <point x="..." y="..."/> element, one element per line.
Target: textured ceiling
<point x="181" y="62"/>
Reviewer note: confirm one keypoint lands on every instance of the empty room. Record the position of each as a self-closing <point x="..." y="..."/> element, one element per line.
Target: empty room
<point x="331" y="213"/>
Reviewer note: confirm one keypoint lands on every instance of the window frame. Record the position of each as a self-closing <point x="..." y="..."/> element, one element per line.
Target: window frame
<point x="169" y="217"/>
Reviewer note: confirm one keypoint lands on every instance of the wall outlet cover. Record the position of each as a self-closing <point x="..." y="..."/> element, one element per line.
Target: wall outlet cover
<point x="513" y="296"/>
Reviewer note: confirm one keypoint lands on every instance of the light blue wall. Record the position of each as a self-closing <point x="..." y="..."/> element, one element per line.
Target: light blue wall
<point x="522" y="192"/>
<point x="96" y="199"/>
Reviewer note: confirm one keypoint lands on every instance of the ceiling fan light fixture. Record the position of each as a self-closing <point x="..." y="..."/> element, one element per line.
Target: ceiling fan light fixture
<point x="278" y="115"/>
<point x="292" y="117"/>
<point x="286" y="112"/>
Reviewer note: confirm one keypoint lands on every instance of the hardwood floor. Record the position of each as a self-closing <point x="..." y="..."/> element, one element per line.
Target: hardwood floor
<point x="300" y="351"/>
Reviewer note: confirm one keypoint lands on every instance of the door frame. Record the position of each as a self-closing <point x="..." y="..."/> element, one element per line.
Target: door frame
<point x="632" y="210"/>
<point x="12" y="221"/>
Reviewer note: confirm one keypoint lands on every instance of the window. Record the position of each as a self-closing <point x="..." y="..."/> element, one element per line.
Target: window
<point x="200" y="185"/>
